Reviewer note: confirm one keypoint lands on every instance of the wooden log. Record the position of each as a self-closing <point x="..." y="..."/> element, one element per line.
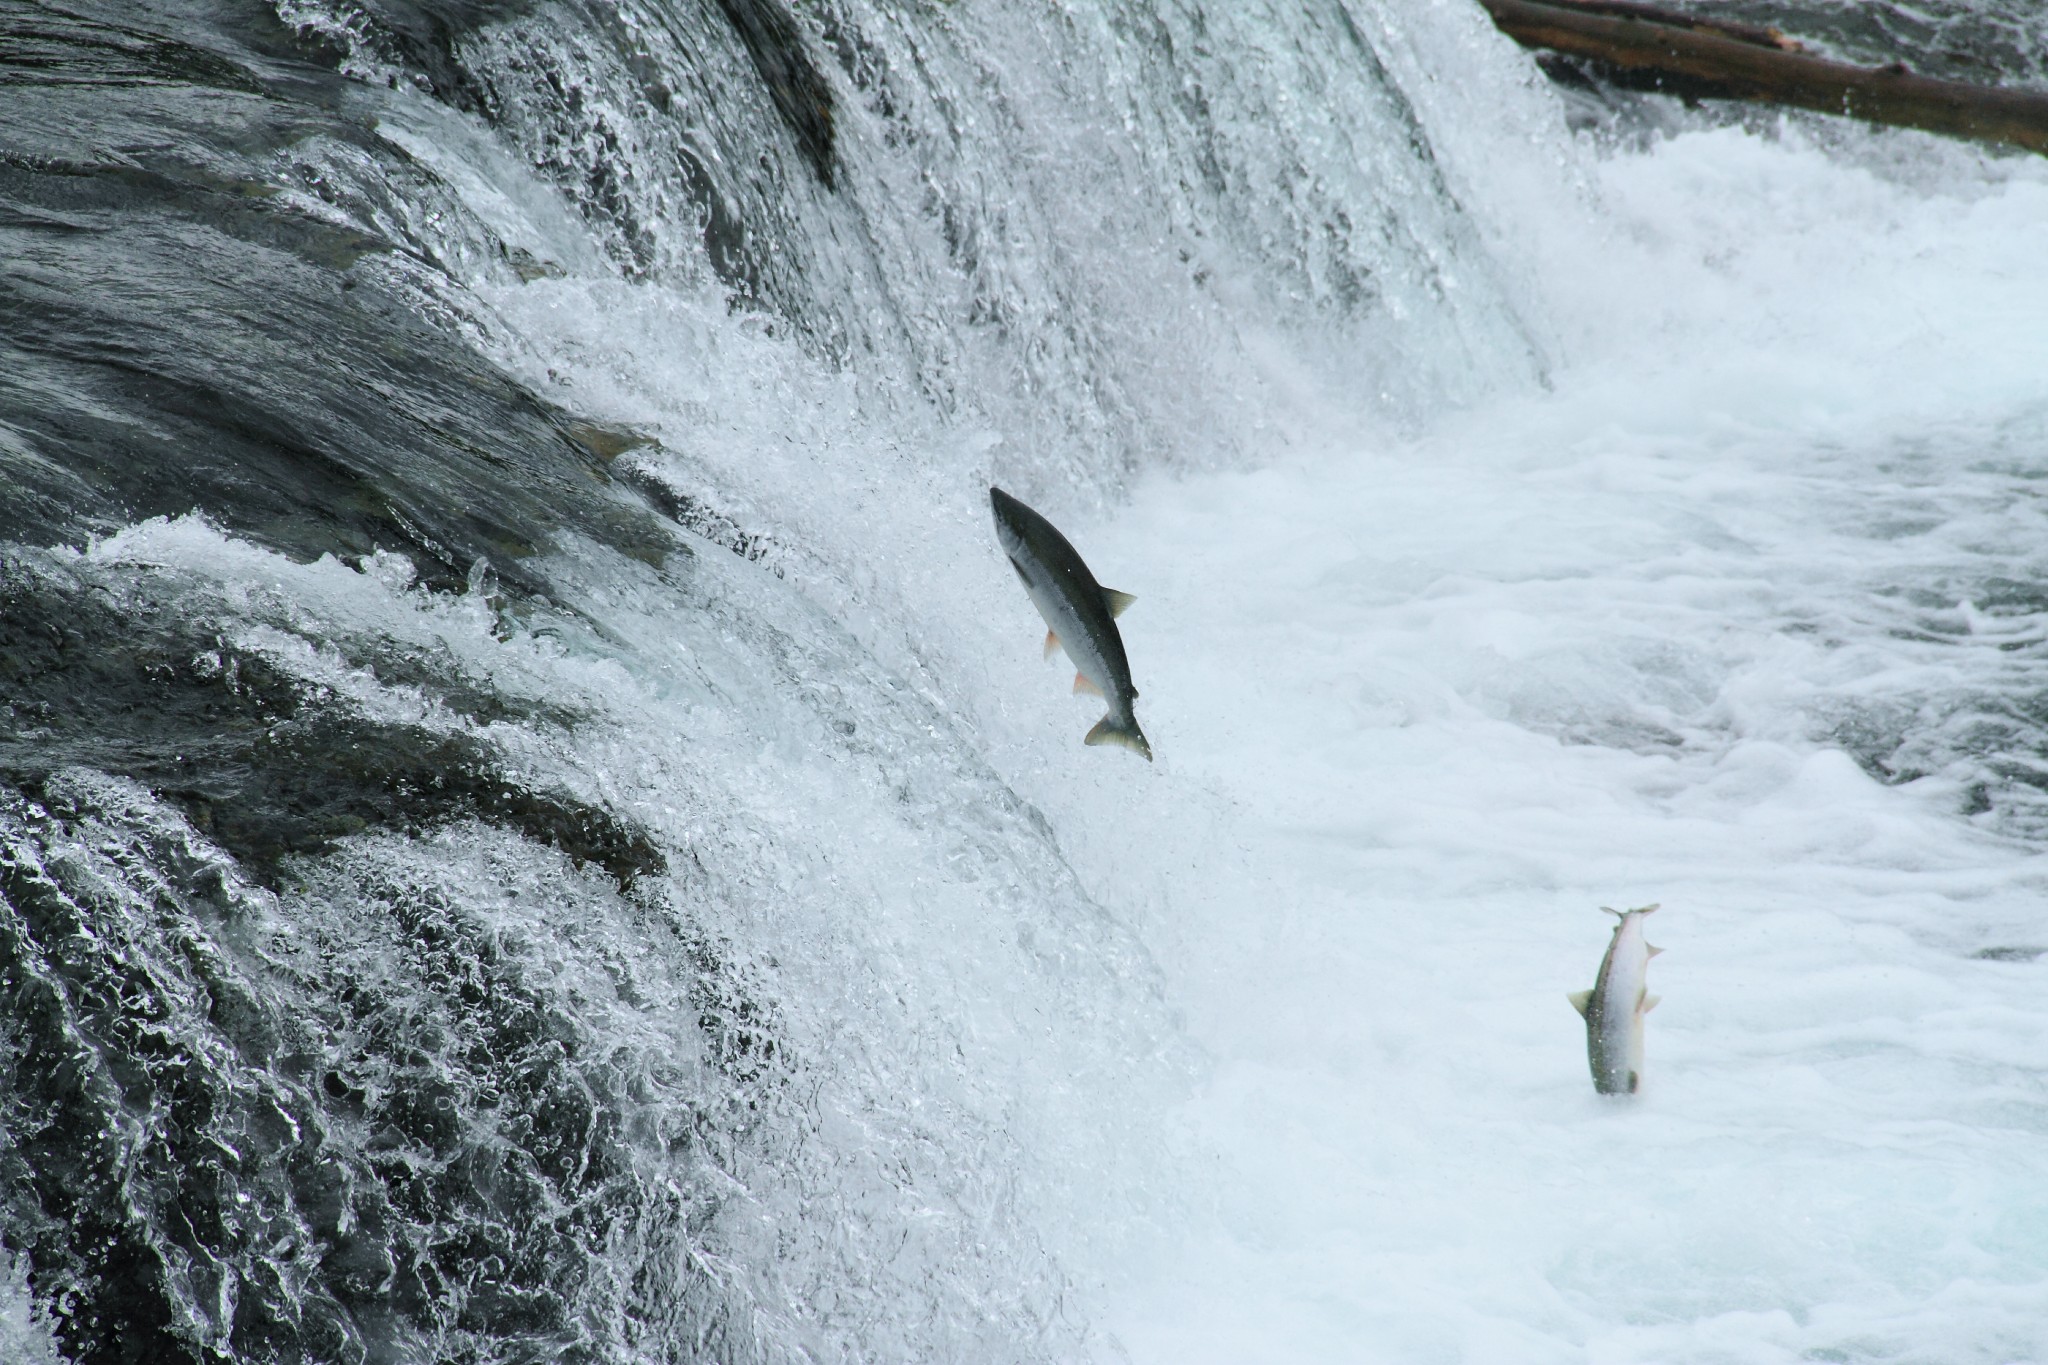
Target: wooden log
<point x="1620" y="34"/>
<point x="1756" y="34"/>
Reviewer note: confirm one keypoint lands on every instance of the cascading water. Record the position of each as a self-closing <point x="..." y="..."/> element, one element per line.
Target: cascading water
<point x="529" y="826"/>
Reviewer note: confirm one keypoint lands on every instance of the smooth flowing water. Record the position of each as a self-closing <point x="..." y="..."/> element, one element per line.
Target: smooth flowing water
<point x="533" y="826"/>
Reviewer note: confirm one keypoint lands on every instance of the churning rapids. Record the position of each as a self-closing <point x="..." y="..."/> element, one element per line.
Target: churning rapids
<point x="533" y="827"/>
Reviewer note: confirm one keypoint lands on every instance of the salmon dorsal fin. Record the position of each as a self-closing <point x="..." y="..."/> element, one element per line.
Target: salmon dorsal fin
<point x="1052" y="642"/>
<point x="1580" y="1000"/>
<point x="1082" y="684"/>
<point x="1116" y="601"/>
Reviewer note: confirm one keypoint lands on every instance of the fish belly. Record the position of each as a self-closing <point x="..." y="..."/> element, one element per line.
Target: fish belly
<point x="1614" y="1044"/>
<point x="1074" y="636"/>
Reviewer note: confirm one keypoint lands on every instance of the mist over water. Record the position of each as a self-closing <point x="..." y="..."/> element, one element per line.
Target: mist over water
<point x="533" y="825"/>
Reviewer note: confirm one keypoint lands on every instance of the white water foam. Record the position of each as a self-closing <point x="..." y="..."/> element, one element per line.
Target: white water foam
<point x="1422" y="704"/>
<point x="25" y="1336"/>
<point x="1601" y="646"/>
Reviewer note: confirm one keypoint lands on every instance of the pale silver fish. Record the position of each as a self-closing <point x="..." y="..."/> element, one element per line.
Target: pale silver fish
<point x="1615" y="1007"/>
<point x="1080" y="616"/>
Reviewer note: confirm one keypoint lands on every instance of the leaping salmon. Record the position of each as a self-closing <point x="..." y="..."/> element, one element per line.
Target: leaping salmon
<point x="1080" y="616"/>
<point x="1615" y="1007"/>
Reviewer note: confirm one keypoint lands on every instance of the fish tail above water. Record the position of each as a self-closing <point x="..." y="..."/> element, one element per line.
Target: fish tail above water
<point x="1110" y="730"/>
<point x="1651" y="908"/>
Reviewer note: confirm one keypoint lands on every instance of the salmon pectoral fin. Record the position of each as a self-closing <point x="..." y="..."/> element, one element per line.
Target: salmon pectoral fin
<point x="1052" y="642"/>
<point x="1116" y="601"/>
<point x="1580" y="1000"/>
<point x="1083" y="684"/>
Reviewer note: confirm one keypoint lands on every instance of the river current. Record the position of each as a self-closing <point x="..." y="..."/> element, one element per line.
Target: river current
<point x="534" y="827"/>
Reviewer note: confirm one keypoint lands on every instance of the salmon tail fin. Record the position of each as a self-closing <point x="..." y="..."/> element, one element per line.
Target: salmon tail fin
<point x="1639" y="910"/>
<point x="1109" y="730"/>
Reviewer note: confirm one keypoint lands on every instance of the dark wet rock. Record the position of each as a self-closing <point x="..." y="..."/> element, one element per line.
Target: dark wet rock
<point x="274" y="1086"/>
<point x="258" y="763"/>
<point x="794" y="82"/>
<point x="177" y="333"/>
<point x="324" y="1132"/>
<point x="696" y="514"/>
<point x="423" y="39"/>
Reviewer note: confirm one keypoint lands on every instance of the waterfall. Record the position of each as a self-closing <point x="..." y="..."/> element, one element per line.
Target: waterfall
<point x="496" y="867"/>
<point x="530" y="824"/>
